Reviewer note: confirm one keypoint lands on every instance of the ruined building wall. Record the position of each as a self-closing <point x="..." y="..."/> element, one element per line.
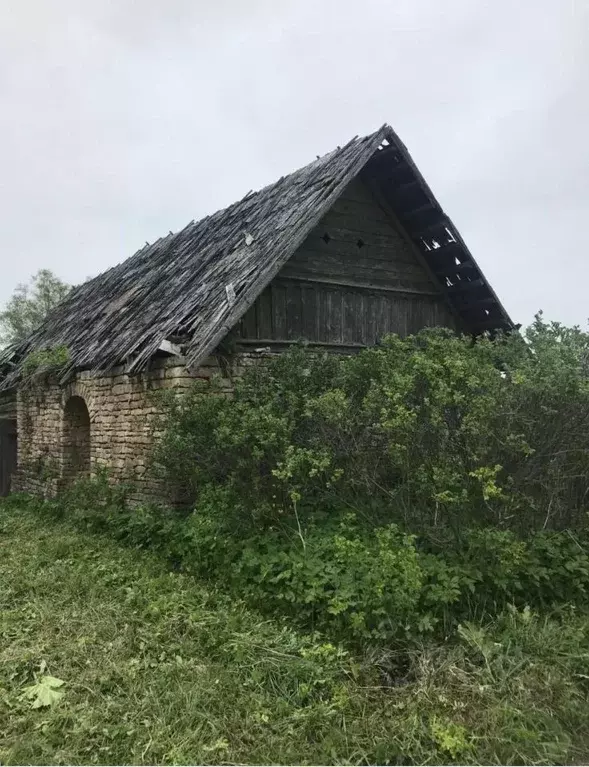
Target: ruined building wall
<point x="56" y="442"/>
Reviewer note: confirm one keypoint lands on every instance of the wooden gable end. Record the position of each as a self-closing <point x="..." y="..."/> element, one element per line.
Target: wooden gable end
<point x="354" y="279"/>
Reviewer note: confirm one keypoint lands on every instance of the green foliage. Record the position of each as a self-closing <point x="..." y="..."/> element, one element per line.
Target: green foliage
<point x="393" y="493"/>
<point x="356" y="583"/>
<point x="44" y="692"/>
<point x="418" y="512"/>
<point x="378" y="498"/>
<point x="29" y="305"/>
<point x="44" y="361"/>
<point x="436" y="431"/>
<point x="162" y="669"/>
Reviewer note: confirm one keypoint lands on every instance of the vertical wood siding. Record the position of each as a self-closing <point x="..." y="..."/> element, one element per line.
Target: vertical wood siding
<point x="352" y="281"/>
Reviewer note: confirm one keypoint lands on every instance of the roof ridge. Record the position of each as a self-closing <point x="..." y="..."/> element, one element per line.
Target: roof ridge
<point x="180" y="279"/>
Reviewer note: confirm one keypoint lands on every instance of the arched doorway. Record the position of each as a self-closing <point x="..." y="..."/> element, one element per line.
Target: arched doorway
<point x="76" y="439"/>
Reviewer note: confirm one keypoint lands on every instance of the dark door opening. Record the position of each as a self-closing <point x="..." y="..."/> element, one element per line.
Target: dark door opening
<point x="76" y="439"/>
<point x="7" y="454"/>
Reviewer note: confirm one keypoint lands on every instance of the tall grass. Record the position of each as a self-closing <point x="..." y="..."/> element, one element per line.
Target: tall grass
<point x="159" y="669"/>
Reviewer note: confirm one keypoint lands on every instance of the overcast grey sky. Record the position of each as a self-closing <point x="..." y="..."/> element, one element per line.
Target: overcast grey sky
<point x="123" y="119"/>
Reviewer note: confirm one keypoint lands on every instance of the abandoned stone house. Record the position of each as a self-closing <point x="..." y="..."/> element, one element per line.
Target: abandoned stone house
<point x="339" y="253"/>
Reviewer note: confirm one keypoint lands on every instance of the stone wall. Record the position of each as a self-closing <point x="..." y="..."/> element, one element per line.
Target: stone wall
<point x="51" y="429"/>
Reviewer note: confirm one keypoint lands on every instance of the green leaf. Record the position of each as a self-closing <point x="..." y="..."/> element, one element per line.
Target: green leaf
<point x="44" y="692"/>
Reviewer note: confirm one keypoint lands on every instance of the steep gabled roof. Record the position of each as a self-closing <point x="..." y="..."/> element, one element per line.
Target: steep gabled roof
<point x="178" y="285"/>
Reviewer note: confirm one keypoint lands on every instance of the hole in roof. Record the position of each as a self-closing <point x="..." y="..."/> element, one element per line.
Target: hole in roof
<point x="326" y="238"/>
<point x="360" y="243"/>
<point x="385" y="142"/>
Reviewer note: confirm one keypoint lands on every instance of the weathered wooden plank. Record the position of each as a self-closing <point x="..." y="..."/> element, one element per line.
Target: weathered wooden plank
<point x="383" y="319"/>
<point x="294" y="312"/>
<point x="309" y="323"/>
<point x="347" y="258"/>
<point x="360" y="302"/>
<point x="249" y="325"/>
<point x="334" y="315"/>
<point x="405" y="287"/>
<point x="247" y="343"/>
<point x="370" y="319"/>
<point x="356" y="191"/>
<point x="398" y="315"/>
<point x="364" y="278"/>
<point x="417" y="315"/>
<point x="359" y="211"/>
<point x="383" y="278"/>
<point x="264" y="315"/>
<point x="349" y="319"/>
<point x="322" y="314"/>
<point x="279" y="311"/>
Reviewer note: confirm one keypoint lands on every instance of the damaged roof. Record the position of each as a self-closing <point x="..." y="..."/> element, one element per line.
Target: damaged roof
<point x="177" y="286"/>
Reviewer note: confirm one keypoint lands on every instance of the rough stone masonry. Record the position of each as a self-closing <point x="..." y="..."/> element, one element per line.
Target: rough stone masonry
<point x="101" y="421"/>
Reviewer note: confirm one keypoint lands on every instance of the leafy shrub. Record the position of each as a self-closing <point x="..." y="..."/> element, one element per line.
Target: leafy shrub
<point x="437" y="431"/>
<point x="333" y="573"/>
<point x="387" y="495"/>
<point x="355" y="584"/>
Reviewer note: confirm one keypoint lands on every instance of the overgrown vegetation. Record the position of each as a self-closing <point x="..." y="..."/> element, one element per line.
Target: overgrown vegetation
<point x="43" y="362"/>
<point x="153" y="667"/>
<point x="420" y="510"/>
<point x="383" y="495"/>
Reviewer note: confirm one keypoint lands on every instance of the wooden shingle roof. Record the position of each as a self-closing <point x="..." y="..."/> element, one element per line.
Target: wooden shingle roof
<point x="198" y="282"/>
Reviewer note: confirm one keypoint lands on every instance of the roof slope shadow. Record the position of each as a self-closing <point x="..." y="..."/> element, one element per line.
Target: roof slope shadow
<point x="177" y="285"/>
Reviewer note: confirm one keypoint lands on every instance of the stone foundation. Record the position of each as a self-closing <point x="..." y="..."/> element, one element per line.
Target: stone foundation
<point x="101" y="421"/>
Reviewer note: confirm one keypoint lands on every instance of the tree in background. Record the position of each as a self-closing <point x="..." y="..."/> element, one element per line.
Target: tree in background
<point x="29" y="305"/>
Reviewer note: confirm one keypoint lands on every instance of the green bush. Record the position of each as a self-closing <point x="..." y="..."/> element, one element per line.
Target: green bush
<point x="435" y="431"/>
<point x="333" y="573"/>
<point x="479" y="449"/>
<point x="382" y="496"/>
<point x="355" y="584"/>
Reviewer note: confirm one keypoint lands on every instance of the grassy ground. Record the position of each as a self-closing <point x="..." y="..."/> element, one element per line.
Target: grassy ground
<point x="157" y="669"/>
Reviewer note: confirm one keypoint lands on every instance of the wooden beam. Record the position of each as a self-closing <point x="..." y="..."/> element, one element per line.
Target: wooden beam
<point x="434" y="231"/>
<point x="466" y="286"/>
<point x="453" y="249"/>
<point x="169" y="348"/>
<point x="476" y="303"/>
<point x="454" y="268"/>
<point x="269" y="345"/>
<point x="359" y="285"/>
